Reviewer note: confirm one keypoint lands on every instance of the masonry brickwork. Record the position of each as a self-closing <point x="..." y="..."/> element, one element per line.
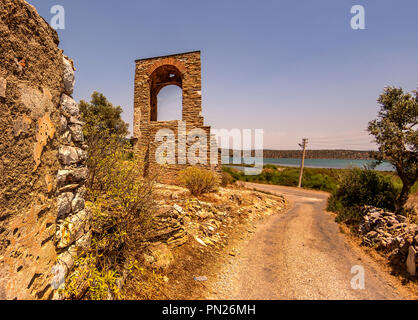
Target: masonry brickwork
<point x="153" y="74"/>
<point x="43" y="222"/>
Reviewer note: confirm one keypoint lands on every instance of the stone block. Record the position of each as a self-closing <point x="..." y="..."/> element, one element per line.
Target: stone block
<point x="78" y="175"/>
<point x="72" y="229"/>
<point x="76" y="132"/>
<point x="78" y="203"/>
<point x="64" y="204"/>
<point x="68" y="106"/>
<point x="69" y="155"/>
<point x="68" y="76"/>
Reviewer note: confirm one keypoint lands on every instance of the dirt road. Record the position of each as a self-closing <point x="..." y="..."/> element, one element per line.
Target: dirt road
<point x="300" y="254"/>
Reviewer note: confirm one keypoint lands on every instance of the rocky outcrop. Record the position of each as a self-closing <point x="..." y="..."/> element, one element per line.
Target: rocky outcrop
<point x="41" y="188"/>
<point x="392" y="234"/>
<point x="184" y="219"/>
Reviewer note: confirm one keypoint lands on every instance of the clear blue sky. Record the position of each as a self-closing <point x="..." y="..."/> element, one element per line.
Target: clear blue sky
<point x="294" y="68"/>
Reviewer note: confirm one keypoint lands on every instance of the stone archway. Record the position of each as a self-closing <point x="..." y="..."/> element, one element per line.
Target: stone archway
<point x="162" y="77"/>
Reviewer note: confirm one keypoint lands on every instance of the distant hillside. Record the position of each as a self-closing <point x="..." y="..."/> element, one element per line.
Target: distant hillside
<point x="318" y="154"/>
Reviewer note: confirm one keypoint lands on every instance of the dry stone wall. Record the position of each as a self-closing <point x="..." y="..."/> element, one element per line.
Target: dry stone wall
<point x="42" y="171"/>
<point x="393" y="234"/>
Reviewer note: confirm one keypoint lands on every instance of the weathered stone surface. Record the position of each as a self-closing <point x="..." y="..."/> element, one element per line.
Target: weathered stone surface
<point x="389" y="232"/>
<point x="75" y="120"/>
<point x="36" y="101"/>
<point x="68" y="106"/>
<point x="72" y="176"/>
<point x="64" y="204"/>
<point x="84" y="242"/>
<point x="67" y="258"/>
<point x="45" y="132"/>
<point x="68" y="155"/>
<point x="82" y="154"/>
<point x="35" y="71"/>
<point x="3" y="84"/>
<point x="68" y="77"/>
<point x="72" y="229"/>
<point x="32" y="64"/>
<point x="63" y="124"/>
<point x="78" y="203"/>
<point x="22" y="125"/>
<point x="76" y="132"/>
<point x="66" y="138"/>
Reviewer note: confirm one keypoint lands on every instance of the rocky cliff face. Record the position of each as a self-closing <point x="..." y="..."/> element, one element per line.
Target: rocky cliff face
<point x="40" y="135"/>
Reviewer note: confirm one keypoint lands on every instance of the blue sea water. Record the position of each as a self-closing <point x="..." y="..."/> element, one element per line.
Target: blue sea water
<point x="320" y="163"/>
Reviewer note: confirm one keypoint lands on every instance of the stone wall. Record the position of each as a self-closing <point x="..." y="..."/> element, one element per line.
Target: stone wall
<point x="41" y="149"/>
<point x="392" y="234"/>
<point x="153" y="74"/>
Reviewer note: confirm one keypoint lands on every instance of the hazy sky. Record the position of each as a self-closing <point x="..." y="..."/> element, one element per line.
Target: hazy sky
<point x="294" y="68"/>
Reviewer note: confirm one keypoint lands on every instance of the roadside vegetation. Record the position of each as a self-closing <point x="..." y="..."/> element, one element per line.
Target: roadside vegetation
<point x="321" y="179"/>
<point x="395" y="133"/>
<point x="313" y="178"/>
<point x="199" y="181"/>
<point x="360" y="187"/>
<point x="121" y="201"/>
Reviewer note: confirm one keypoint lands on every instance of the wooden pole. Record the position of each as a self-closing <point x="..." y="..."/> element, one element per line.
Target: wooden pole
<point x="302" y="163"/>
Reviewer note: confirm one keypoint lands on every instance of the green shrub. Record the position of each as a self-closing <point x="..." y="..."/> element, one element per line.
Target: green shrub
<point x="122" y="204"/>
<point x="361" y="187"/>
<point x="233" y="172"/>
<point x="199" y="181"/>
<point x="320" y="182"/>
<point x="313" y="178"/>
<point x="227" y="179"/>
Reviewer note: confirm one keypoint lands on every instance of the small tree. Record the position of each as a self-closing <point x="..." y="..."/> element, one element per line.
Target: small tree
<point x="101" y="118"/>
<point x="104" y="131"/>
<point x="396" y="135"/>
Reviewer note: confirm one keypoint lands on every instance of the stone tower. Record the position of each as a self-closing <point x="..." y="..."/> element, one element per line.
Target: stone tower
<point x="152" y="75"/>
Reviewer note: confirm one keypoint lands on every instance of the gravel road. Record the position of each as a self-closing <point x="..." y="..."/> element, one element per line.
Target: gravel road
<point x="300" y="254"/>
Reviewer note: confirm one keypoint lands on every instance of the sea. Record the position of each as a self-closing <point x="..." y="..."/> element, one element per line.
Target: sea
<point x="316" y="163"/>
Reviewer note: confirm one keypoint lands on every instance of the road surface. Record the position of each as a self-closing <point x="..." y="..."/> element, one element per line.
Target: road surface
<point x="300" y="254"/>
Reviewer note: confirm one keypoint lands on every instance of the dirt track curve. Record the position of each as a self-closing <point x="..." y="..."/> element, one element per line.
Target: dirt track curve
<point x="300" y="254"/>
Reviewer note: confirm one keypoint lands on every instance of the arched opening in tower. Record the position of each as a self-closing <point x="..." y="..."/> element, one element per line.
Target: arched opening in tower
<point x="166" y="94"/>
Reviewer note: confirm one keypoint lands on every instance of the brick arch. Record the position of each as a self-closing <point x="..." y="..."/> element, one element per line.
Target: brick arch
<point x="167" y="61"/>
<point x="162" y="76"/>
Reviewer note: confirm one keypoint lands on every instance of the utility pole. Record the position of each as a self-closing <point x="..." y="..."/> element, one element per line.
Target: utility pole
<point x="302" y="163"/>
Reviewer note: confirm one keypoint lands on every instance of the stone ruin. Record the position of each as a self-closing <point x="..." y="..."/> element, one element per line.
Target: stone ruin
<point x="43" y="221"/>
<point x="153" y="74"/>
<point x="392" y="234"/>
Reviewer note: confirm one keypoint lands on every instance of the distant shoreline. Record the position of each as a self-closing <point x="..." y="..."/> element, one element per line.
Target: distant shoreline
<point x="318" y="154"/>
